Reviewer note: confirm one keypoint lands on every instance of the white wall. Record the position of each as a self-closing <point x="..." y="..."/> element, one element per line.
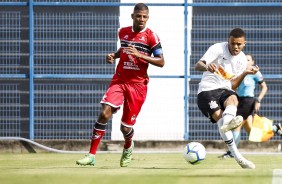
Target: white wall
<point x="162" y="115"/>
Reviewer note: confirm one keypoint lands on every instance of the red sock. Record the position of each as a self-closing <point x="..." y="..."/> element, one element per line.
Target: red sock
<point x="96" y="138"/>
<point x="128" y="139"/>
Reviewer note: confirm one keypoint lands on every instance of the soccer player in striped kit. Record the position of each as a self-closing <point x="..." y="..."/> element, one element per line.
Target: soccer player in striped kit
<point x="129" y="83"/>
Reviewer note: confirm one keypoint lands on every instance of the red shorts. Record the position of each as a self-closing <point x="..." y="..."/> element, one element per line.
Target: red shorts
<point x="131" y="95"/>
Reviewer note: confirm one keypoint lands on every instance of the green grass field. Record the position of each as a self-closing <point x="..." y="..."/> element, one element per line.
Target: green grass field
<point x="53" y="168"/>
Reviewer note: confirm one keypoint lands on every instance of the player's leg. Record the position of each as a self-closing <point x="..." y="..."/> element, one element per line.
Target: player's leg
<point x="229" y="141"/>
<point x="98" y="133"/>
<point x="228" y="122"/>
<point x="237" y="131"/>
<point x="110" y="103"/>
<point x="128" y="147"/>
<point x="248" y="124"/>
<point x="228" y="138"/>
<point x="208" y="103"/>
<point x="135" y="95"/>
<point x="230" y="102"/>
<point x="236" y="136"/>
<point x="245" y="108"/>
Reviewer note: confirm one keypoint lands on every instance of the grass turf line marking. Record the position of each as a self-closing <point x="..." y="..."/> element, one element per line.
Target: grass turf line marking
<point x="277" y="176"/>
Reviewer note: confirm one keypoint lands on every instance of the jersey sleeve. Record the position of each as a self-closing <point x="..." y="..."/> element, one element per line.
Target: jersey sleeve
<point x="211" y="54"/>
<point x="155" y="44"/>
<point x="258" y="77"/>
<point x="122" y="42"/>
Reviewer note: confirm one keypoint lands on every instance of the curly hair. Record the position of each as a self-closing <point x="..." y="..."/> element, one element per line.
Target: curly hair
<point x="140" y="6"/>
<point x="237" y="33"/>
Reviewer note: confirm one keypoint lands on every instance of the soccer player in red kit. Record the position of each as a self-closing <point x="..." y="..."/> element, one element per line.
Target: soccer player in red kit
<point x="129" y="83"/>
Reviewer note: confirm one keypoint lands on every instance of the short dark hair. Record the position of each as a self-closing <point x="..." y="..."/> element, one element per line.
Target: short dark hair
<point x="140" y="6"/>
<point x="237" y="33"/>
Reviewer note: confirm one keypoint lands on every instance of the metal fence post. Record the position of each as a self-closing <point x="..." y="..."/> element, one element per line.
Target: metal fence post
<point x="186" y="120"/>
<point x="31" y="72"/>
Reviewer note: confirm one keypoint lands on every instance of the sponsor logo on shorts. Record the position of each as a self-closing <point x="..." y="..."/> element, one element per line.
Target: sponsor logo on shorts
<point x="213" y="104"/>
<point x="133" y="117"/>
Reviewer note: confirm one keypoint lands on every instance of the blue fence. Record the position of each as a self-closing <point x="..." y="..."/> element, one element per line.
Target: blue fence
<point x="53" y="72"/>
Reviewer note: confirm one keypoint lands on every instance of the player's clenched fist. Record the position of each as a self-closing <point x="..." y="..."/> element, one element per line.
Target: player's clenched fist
<point x="110" y="58"/>
<point x="252" y="69"/>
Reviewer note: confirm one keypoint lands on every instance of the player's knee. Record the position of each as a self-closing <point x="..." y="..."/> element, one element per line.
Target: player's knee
<point x="105" y="114"/>
<point x="231" y="100"/>
<point x="125" y="130"/>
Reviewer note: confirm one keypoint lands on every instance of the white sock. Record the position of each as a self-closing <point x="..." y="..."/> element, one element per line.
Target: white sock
<point x="228" y="139"/>
<point x="228" y="114"/>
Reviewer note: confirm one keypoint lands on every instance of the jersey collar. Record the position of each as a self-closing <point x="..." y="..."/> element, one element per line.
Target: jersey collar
<point x="143" y="30"/>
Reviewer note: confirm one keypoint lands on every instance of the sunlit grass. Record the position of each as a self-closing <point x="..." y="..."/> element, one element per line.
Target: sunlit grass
<point x="51" y="168"/>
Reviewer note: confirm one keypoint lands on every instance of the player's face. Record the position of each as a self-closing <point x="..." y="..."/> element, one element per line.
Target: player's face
<point x="236" y="45"/>
<point x="251" y="62"/>
<point x="140" y="19"/>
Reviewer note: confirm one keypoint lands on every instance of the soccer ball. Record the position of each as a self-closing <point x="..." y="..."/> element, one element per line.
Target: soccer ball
<point x="194" y="153"/>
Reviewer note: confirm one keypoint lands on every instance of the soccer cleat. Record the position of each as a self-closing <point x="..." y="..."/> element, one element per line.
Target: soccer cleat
<point x="126" y="156"/>
<point x="226" y="155"/>
<point x="234" y="123"/>
<point x="246" y="164"/>
<point x="89" y="159"/>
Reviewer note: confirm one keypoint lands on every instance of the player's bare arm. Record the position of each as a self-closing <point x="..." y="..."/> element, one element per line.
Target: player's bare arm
<point x="156" y="61"/>
<point x="261" y="95"/>
<point x="110" y="58"/>
<point x="202" y="66"/>
<point x="236" y="81"/>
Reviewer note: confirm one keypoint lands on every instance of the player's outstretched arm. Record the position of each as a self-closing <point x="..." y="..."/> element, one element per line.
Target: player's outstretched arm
<point x="236" y="81"/>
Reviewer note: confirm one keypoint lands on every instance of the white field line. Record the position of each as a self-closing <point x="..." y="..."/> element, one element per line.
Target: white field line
<point x="277" y="176"/>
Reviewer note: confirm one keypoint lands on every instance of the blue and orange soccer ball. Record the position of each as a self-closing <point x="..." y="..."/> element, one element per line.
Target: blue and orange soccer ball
<point x="194" y="153"/>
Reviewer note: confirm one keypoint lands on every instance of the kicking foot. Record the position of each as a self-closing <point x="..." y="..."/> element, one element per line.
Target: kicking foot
<point x="234" y="123"/>
<point x="89" y="159"/>
<point x="126" y="156"/>
<point x="246" y="164"/>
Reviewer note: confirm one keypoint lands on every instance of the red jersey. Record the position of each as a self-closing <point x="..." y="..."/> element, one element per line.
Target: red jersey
<point x="131" y="69"/>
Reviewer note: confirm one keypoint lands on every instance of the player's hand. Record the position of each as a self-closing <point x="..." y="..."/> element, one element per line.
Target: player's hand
<point x="212" y="67"/>
<point x="110" y="58"/>
<point x="132" y="51"/>
<point x="252" y="69"/>
<point x="257" y="107"/>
